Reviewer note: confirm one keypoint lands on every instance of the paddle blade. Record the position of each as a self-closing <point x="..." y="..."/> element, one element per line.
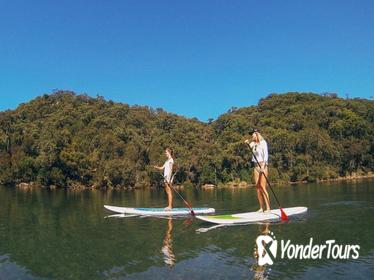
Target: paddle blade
<point x="189" y="206"/>
<point x="284" y="217"/>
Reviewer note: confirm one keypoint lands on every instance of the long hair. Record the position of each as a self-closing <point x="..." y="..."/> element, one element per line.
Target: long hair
<point x="170" y="151"/>
<point x="259" y="136"/>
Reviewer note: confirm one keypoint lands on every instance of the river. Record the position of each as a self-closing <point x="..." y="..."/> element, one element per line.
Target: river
<point x="64" y="234"/>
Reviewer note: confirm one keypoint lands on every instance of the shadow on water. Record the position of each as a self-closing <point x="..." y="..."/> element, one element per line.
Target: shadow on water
<point x="60" y="234"/>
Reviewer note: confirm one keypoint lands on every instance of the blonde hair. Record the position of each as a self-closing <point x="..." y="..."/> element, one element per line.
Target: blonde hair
<point x="259" y="136"/>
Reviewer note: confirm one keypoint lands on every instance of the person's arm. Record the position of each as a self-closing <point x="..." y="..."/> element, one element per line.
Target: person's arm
<point x="265" y="153"/>
<point x="251" y="144"/>
<point x="159" y="167"/>
<point x="170" y="168"/>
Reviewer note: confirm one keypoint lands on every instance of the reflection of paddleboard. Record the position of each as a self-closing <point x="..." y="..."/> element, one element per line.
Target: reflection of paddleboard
<point x="159" y="211"/>
<point x="251" y="217"/>
<point x="123" y="215"/>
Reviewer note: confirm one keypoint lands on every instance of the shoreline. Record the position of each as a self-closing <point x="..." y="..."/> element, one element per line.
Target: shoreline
<point x="231" y="185"/>
<point x="242" y="184"/>
<point x="348" y="178"/>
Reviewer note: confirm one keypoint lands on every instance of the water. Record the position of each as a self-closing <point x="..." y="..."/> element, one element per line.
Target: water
<point x="59" y="234"/>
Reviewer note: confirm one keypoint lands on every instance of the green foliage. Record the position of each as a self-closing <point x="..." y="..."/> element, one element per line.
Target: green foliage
<point x="65" y="139"/>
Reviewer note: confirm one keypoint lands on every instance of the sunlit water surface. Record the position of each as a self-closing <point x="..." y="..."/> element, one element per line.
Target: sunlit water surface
<point x="61" y="234"/>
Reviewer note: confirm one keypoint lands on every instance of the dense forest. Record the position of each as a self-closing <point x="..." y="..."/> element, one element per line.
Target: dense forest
<point x="69" y="140"/>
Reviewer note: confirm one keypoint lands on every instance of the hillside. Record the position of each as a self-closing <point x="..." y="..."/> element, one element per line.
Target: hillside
<point x="64" y="139"/>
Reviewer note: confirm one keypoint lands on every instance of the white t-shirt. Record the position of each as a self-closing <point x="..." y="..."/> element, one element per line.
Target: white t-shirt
<point x="168" y="169"/>
<point x="260" y="150"/>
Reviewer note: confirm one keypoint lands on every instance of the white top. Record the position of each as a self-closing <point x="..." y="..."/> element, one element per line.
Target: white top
<point x="168" y="169"/>
<point x="260" y="150"/>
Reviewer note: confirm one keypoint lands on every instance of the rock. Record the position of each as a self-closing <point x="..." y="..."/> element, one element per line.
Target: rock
<point x="208" y="186"/>
<point x="23" y="185"/>
<point x="179" y="187"/>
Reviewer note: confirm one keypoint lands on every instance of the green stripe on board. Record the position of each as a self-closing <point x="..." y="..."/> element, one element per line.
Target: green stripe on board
<point x="225" y="217"/>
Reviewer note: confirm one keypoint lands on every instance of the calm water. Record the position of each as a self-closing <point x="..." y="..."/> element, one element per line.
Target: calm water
<point x="63" y="234"/>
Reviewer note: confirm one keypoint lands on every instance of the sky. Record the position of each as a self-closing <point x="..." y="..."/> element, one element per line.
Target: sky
<point x="194" y="58"/>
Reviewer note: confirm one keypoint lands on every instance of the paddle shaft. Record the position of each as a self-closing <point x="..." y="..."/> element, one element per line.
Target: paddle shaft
<point x="266" y="178"/>
<point x="170" y="185"/>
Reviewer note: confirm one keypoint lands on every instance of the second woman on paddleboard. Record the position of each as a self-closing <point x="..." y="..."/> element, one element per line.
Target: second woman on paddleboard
<point x="260" y="151"/>
<point x="168" y="170"/>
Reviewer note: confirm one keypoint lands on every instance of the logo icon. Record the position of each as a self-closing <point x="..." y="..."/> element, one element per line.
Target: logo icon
<point x="267" y="246"/>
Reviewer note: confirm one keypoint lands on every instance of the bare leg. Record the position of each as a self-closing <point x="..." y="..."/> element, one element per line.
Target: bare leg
<point x="170" y="197"/>
<point x="264" y="191"/>
<point x="260" y="199"/>
<point x="258" y="189"/>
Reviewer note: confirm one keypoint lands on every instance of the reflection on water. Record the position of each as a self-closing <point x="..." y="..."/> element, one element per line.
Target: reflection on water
<point x="61" y="234"/>
<point x="167" y="248"/>
<point x="259" y="271"/>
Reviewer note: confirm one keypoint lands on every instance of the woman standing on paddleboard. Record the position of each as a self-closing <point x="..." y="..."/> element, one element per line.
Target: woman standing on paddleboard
<point x="260" y="151"/>
<point x="168" y="169"/>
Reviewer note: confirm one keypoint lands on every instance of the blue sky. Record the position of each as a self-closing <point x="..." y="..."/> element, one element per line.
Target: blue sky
<point x="194" y="58"/>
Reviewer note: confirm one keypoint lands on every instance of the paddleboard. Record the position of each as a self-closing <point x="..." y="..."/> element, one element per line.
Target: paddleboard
<point x="251" y="217"/>
<point x="159" y="211"/>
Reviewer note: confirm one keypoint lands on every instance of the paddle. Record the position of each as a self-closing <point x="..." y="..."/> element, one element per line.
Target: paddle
<point x="185" y="202"/>
<point x="284" y="217"/>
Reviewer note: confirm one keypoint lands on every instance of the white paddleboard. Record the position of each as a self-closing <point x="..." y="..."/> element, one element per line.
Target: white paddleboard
<point x="159" y="211"/>
<point x="252" y="217"/>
